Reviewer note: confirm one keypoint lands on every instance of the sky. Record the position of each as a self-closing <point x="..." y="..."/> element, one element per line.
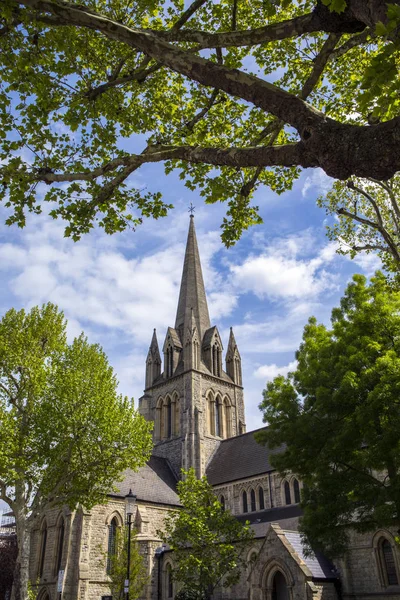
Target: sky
<point x="118" y="288"/>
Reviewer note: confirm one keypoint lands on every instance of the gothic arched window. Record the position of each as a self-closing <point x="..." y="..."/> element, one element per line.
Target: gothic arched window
<point x="253" y="500"/>
<point x="288" y="499"/>
<point x="112" y="542"/>
<point x="170" y="582"/>
<point x="388" y="562"/>
<point x="222" y="501"/>
<point x="60" y="544"/>
<point x="261" y="498"/>
<point x="296" y="491"/>
<point x="169" y="418"/>
<point x="216" y="360"/>
<point x="226" y="418"/>
<point x="211" y="414"/>
<point x="217" y="418"/>
<point x="244" y="498"/>
<point x="43" y="543"/>
<point x="177" y="416"/>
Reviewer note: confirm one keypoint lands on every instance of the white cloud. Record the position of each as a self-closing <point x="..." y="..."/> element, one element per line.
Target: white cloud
<point x="279" y="272"/>
<point x="369" y="263"/>
<point x="269" y="372"/>
<point x="318" y="182"/>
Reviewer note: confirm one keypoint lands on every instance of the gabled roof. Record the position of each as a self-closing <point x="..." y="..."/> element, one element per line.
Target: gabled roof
<point x="173" y="334"/>
<point x="155" y="482"/>
<point x="208" y="336"/>
<point x="239" y="457"/>
<point x="319" y="565"/>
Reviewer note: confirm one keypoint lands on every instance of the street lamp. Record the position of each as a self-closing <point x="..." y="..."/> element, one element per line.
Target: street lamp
<point x="130" y="501"/>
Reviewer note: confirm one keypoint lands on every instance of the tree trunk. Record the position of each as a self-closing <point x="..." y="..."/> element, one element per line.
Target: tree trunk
<point x="21" y="571"/>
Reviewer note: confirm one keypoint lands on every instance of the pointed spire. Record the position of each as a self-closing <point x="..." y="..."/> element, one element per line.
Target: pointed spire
<point x="153" y="349"/>
<point x="232" y="345"/>
<point x="233" y="360"/>
<point x="192" y="294"/>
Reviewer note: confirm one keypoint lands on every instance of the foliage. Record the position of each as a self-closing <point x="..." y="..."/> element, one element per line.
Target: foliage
<point x="208" y="542"/>
<point x="117" y="571"/>
<point x="8" y="555"/>
<point x="368" y="218"/>
<point x="65" y="433"/>
<point x="92" y="91"/>
<point x="339" y="415"/>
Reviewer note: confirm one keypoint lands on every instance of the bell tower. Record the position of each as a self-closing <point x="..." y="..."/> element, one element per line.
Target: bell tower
<point x="193" y="402"/>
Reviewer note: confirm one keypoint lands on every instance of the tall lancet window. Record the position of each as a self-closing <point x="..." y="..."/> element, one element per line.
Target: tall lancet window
<point x="217" y="418"/>
<point x="216" y="360"/>
<point x="169" y="418"/>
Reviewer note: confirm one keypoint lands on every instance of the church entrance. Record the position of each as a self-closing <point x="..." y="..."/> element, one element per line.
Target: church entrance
<point x="279" y="587"/>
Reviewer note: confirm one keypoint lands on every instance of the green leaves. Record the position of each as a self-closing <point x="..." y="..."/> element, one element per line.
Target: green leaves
<point x="208" y="542"/>
<point x="66" y="435"/>
<point x="339" y="416"/>
<point x="335" y="5"/>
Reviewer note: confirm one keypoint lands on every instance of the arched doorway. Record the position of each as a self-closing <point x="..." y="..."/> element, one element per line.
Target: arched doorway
<point x="279" y="587"/>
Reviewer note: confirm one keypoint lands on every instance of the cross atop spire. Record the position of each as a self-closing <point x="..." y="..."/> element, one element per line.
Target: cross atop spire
<point x="192" y="294"/>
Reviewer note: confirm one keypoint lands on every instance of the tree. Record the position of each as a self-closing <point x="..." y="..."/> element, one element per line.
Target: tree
<point x="138" y="577"/>
<point x="339" y="415"/>
<point x="208" y="542"/>
<point x="65" y="433"/>
<point x="233" y="94"/>
<point x="368" y="213"/>
<point x="8" y="555"/>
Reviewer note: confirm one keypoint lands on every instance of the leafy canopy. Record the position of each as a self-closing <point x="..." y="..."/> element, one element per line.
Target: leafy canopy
<point x="368" y="218"/>
<point x="208" y="542"/>
<point x="339" y="415"/>
<point x="66" y="434"/>
<point x="233" y="94"/>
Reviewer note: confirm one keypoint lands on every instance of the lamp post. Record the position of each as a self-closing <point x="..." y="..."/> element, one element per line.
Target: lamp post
<point x="130" y="501"/>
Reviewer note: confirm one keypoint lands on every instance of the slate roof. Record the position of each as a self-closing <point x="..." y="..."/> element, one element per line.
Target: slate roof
<point x="319" y="565"/>
<point x="261" y="520"/>
<point x="239" y="457"/>
<point x="155" y="482"/>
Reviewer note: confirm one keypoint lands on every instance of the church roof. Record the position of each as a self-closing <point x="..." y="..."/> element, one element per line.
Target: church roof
<point x="192" y="294"/>
<point x="155" y="482"/>
<point x="319" y="565"/>
<point x="239" y="457"/>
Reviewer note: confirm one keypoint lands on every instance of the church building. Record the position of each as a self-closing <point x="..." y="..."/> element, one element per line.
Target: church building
<point x="194" y="394"/>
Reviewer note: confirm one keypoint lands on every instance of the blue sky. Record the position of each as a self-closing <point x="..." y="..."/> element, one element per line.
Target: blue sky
<point x="118" y="288"/>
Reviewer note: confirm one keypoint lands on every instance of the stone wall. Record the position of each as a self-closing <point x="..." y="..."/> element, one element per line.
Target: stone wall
<point x="362" y="570"/>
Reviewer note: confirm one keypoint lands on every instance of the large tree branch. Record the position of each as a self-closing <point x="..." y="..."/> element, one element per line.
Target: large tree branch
<point x="287" y="155"/>
<point x="340" y="149"/>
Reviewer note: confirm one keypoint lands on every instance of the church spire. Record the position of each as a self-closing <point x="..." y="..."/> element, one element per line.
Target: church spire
<point x="153" y="361"/>
<point x="192" y="294"/>
<point x="233" y="360"/>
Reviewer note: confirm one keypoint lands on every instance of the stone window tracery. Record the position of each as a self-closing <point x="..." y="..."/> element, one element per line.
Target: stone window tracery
<point x="261" y="498"/>
<point x="43" y="544"/>
<point x="296" y="491"/>
<point x="244" y="501"/>
<point x="60" y="544"/>
<point x="387" y="562"/>
<point x="288" y="498"/>
<point x="253" y="506"/>
<point x="222" y="501"/>
<point x="112" y="543"/>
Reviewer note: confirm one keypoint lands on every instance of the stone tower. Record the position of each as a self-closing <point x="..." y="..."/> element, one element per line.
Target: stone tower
<point x="193" y="402"/>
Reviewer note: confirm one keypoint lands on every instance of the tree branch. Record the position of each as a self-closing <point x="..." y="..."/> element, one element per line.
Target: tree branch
<point x="289" y="28"/>
<point x="286" y="155"/>
<point x="139" y="75"/>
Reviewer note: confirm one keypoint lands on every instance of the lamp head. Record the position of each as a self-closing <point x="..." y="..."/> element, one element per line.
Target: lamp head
<point x="130" y="501"/>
